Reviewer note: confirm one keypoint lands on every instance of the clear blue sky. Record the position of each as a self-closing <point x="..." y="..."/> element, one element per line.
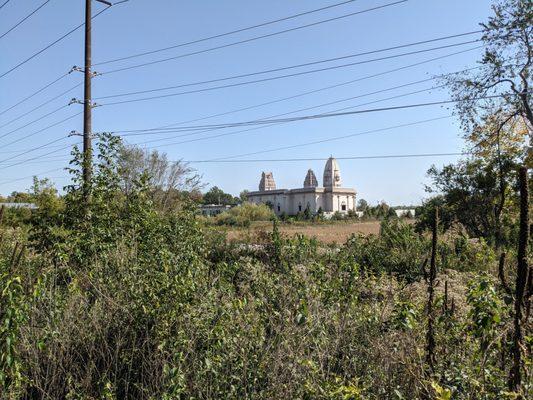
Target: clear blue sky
<point x="142" y="25"/>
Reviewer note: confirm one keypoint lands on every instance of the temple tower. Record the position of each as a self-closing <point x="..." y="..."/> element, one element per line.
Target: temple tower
<point x="310" y="180"/>
<point x="332" y="174"/>
<point x="267" y="182"/>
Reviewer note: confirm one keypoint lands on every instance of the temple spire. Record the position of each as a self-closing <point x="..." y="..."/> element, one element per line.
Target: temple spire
<point x="332" y="174"/>
<point x="310" y="179"/>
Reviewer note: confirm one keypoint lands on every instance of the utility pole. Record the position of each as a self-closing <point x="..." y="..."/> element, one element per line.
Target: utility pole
<point x="87" y="99"/>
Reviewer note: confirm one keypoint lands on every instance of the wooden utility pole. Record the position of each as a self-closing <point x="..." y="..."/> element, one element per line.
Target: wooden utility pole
<point x="87" y="99"/>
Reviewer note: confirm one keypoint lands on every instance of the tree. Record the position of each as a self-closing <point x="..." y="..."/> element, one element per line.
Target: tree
<point x="362" y="205"/>
<point x="215" y="195"/>
<point x="243" y="196"/>
<point x="470" y="194"/>
<point x="504" y="74"/>
<point x="168" y="180"/>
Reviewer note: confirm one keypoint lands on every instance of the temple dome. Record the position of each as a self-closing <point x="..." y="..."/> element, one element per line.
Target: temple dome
<point x="310" y="180"/>
<point x="332" y="174"/>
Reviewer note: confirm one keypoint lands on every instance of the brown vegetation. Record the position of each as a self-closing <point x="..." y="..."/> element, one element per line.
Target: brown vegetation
<point x="334" y="232"/>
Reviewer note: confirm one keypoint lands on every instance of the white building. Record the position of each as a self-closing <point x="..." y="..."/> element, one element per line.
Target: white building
<point x="405" y="212"/>
<point x="331" y="197"/>
<point x="30" y="206"/>
<point x="211" y="210"/>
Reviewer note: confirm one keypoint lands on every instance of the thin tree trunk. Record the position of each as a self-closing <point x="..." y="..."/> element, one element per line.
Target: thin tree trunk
<point x="430" y="335"/>
<point x="515" y="376"/>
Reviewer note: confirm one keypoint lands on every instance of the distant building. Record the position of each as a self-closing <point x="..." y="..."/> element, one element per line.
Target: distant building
<point x="213" y="209"/>
<point x="330" y="198"/>
<point x="405" y="212"/>
<point x="31" y="206"/>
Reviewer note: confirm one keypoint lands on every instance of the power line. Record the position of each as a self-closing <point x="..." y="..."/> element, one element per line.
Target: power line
<point x="157" y="132"/>
<point x="31" y="176"/>
<point x="225" y="34"/>
<point x="172" y="128"/>
<point x="330" y="139"/>
<point x="32" y="122"/>
<point x="54" y="141"/>
<point x="324" y="159"/>
<point x="329" y="115"/>
<point x="37" y="148"/>
<point x="315" y="90"/>
<point x="45" y="160"/>
<point x="281" y="76"/>
<point x="335" y="138"/>
<point x="255" y="38"/>
<point x="48" y="144"/>
<point x="41" y="105"/>
<point x="41" y="130"/>
<point x="18" y="151"/>
<point x="306" y="64"/>
<point x="37" y="92"/>
<point x="273" y="124"/>
<point x="24" y="19"/>
<point x="2" y="6"/>
<point x="50" y="45"/>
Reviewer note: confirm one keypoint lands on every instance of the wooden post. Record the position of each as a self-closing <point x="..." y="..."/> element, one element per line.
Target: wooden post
<point x="430" y="334"/>
<point x="515" y="375"/>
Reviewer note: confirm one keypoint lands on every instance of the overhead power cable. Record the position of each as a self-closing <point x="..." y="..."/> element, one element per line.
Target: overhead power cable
<point x="24" y="19"/>
<point x="31" y="176"/>
<point x="305" y="64"/>
<point x="51" y="44"/>
<point x="314" y="91"/>
<point x="335" y="138"/>
<point x="3" y="4"/>
<point x="255" y="38"/>
<point x="18" y="151"/>
<point x="277" y="123"/>
<point x="324" y="159"/>
<point x="34" y="121"/>
<point x="37" y="148"/>
<point x="36" y="92"/>
<point x="44" y="160"/>
<point x="281" y="76"/>
<point x="41" y="130"/>
<point x="339" y="114"/>
<point x="225" y="33"/>
<point x="42" y="104"/>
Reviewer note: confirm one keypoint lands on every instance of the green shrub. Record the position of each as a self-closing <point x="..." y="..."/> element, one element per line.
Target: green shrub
<point x="245" y="214"/>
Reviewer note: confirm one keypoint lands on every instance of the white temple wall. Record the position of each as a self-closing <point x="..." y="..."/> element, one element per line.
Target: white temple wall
<point x="295" y="202"/>
<point x="341" y="202"/>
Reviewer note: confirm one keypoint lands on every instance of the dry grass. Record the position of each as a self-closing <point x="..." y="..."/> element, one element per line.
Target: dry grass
<point x="326" y="233"/>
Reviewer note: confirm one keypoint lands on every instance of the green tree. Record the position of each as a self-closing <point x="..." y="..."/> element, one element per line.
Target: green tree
<point x="169" y="183"/>
<point x="215" y="195"/>
<point x="470" y="194"/>
<point x="362" y="205"/>
<point x="243" y="196"/>
<point x="504" y="74"/>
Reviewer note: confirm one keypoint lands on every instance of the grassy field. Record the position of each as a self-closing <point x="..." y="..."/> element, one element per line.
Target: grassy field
<point x="335" y="232"/>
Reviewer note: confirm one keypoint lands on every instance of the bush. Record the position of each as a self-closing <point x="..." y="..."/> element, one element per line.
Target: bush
<point x="119" y="301"/>
<point x="245" y="214"/>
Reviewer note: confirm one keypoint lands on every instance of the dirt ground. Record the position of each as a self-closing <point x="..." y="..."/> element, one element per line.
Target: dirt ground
<point x="326" y="233"/>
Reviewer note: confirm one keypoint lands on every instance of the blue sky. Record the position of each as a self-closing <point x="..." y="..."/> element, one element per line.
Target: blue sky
<point x="142" y="25"/>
